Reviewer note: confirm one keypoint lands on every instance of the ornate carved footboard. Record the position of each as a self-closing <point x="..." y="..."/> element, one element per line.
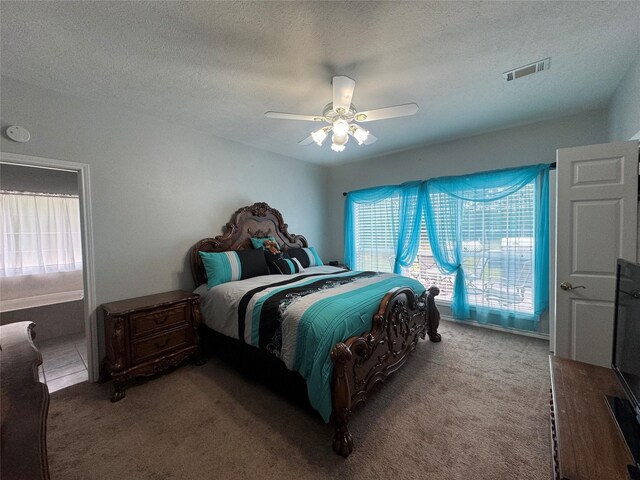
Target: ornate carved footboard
<point x="361" y="362"/>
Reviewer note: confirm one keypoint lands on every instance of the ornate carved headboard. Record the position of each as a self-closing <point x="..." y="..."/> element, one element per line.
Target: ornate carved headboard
<point x="257" y="220"/>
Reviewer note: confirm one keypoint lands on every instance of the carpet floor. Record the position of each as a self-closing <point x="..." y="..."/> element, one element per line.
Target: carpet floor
<point x="475" y="406"/>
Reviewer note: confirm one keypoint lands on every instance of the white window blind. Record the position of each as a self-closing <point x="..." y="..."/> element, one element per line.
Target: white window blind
<point x="40" y="234"/>
<point x="376" y="234"/>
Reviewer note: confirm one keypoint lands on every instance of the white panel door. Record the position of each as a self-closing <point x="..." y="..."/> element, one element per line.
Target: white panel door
<point x="596" y="223"/>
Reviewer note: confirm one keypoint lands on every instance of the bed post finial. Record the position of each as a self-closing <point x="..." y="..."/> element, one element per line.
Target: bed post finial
<point x="433" y="315"/>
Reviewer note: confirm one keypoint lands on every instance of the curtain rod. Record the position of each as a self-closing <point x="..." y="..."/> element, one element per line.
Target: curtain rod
<point x="37" y="194"/>
<point x="552" y="166"/>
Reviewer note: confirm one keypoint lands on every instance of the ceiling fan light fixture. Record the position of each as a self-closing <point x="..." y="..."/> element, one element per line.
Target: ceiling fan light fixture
<point x="339" y="139"/>
<point x="319" y="136"/>
<point x="360" y="134"/>
<point x="340" y="127"/>
<point x="339" y="114"/>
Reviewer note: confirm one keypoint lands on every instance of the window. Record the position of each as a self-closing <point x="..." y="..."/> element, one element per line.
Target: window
<point x="482" y="238"/>
<point x="375" y="234"/>
<point x="497" y="252"/>
<point x="40" y="234"/>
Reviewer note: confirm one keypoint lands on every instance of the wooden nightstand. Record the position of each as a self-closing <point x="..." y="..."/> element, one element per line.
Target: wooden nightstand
<point x="146" y="335"/>
<point x="335" y="263"/>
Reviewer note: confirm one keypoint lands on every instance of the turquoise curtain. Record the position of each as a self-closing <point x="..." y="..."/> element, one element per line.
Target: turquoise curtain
<point x="410" y="220"/>
<point x="444" y="210"/>
<point x="541" y="262"/>
<point x="443" y="218"/>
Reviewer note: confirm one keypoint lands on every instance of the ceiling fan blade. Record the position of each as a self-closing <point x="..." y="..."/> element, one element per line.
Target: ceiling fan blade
<point x="387" y="112"/>
<point x="294" y="116"/>
<point x="370" y="139"/>
<point x="306" y="141"/>
<point x="342" y="92"/>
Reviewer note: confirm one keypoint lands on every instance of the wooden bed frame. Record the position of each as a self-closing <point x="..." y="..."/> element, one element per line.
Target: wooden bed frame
<point x="359" y="362"/>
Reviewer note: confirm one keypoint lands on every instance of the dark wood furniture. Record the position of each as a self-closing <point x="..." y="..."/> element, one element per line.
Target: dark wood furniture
<point x="23" y="407"/>
<point x="359" y="362"/>
<point x="585" y="440"/>
<point x="147" y="335"/>
<point x="336" y="263"/>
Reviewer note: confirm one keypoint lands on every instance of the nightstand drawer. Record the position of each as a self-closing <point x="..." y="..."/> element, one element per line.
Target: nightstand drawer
<point x="155" y="346"/>
<point x="147" y="322"/>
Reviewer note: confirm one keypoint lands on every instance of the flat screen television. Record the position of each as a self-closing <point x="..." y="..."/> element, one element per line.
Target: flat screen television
<point x="626" y="353"/>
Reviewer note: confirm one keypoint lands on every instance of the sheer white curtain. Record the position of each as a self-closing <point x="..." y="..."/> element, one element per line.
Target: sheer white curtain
<point x="40" y="234"/>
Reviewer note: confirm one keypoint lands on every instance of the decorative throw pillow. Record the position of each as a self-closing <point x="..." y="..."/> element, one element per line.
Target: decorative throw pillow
<point x="308" y="257"/>
<point x="230" y="266"/>
<point x="280" y="263"/>
<point x="258" y="242"/>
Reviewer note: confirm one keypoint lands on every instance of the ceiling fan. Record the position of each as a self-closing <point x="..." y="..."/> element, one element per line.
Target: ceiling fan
<point x="340" y="115"/>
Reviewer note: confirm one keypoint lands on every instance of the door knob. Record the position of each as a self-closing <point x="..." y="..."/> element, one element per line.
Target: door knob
<point x="568" y="286"/>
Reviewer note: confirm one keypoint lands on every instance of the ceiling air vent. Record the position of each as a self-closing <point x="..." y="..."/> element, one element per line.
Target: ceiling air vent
<point x="535" y="67"/>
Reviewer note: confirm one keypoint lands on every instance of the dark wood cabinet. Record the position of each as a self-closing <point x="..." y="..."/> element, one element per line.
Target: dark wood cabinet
<point x="585" y="440"/>
<point x="146" y="335"/>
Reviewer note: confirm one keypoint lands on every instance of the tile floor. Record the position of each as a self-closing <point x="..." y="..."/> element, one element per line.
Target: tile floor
<point x="64" y="361"/>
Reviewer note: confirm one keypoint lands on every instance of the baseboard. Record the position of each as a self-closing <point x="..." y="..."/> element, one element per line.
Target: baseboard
<point x="516" y="331"/>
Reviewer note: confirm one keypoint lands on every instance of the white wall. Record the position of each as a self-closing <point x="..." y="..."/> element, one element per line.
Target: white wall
<point x="524" y="145"/>
<point x="157" y="187"/>
<point x="624" y="107"/>
<point x="624" y="113"/>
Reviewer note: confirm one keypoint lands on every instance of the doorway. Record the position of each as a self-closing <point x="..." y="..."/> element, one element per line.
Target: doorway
<point x="63" y="307"/>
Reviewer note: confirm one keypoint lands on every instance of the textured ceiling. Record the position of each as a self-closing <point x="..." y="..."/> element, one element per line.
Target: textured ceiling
<point x="218" y="66"/>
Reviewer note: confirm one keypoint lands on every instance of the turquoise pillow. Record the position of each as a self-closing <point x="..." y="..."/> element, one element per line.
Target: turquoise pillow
<point x="316" y="262"/>
<point x="258" y="242"/>
<point x="226" y="267"/>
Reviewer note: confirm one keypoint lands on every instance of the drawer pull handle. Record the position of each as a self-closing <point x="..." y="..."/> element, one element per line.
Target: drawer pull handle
<point x="166" y="341"/>
<point x="160" y="321"/>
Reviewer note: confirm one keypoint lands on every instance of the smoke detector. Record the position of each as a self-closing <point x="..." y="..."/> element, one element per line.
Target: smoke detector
<point x="535" y="67"/>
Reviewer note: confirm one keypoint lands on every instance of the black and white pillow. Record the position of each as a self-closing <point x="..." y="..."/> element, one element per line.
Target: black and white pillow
<point x="281" y="263"/>
<point x="308" y="257"/>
